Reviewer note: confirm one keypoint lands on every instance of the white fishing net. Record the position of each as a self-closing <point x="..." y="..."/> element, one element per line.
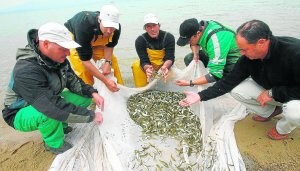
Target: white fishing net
<point x="119" y="144"/>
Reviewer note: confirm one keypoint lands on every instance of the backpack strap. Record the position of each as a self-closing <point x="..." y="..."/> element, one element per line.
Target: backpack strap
<point x="222" y="28"/>
<point x="164" y="39"/>
<point x="147" y="42"/>
<point x="163" y="42"/>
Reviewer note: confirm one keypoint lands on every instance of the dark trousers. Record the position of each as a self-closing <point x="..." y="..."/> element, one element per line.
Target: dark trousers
<point x="189" y="57"/>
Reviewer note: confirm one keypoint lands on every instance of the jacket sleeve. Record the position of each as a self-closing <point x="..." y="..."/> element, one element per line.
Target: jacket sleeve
<point x="84" y="39"/>
<point x="218" y="47"/>
<point x="239" y="73"/>
<point x="82" y="30"/>
<point x="115" y="38"/>
<point x="31" y="84"/>
<point x="170" y="47"/>
<point x="77" y="86"/>
<point x="284" y="93"/>
<point x="141" y="50"/>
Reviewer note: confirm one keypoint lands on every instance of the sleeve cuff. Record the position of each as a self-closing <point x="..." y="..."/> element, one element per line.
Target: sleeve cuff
<point x="92" y="116"/>
<point x="210" y="78"/>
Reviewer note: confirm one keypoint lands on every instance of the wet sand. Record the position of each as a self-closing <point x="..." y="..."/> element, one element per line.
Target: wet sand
<point x="261" y="153"/>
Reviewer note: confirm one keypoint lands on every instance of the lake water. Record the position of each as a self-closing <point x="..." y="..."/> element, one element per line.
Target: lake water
<point x="18" y="16"/>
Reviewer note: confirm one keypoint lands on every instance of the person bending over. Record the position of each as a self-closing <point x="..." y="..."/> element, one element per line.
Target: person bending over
<point x="212" y="43"/>
<point x="97" y="33"/>
<point x="44" y="93"/>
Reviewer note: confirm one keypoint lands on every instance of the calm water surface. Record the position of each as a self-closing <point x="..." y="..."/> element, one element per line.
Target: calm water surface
<point x="18" y="16"/>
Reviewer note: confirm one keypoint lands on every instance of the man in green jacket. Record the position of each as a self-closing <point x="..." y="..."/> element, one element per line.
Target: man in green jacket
<point x="44" y="93"/>
<point x="212" y="43"/>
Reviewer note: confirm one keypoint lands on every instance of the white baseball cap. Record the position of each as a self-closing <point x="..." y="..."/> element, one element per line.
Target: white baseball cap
<point x="109" y="16"/>
<point x="151" y="18"/>
<point x="58" y="34"/>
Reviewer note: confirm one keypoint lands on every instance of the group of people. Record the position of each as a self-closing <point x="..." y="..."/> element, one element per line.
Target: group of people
<point x="47" y="91"/>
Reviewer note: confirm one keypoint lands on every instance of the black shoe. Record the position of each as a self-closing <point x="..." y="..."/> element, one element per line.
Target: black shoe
<point x="66" y="146"/>
<point x="68" y="130"/>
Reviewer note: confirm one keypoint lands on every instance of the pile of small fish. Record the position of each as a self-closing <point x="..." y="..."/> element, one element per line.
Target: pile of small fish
<point x="159" y="114"/>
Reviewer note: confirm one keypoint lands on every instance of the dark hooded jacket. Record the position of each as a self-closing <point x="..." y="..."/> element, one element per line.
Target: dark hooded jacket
<point x="38" y="81"/>
<point x="279" y="72"/>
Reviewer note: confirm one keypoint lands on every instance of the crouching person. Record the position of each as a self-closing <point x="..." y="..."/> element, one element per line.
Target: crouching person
<point x="44" y="93"/>
<point x="155" y="49"/>
<point x="273" y="63"/>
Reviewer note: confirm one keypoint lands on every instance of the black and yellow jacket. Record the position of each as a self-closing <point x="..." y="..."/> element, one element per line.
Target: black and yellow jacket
<point x="86" y="28"/>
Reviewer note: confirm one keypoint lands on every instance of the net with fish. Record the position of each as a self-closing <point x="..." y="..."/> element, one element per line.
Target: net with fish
<point x="145" y="129"/>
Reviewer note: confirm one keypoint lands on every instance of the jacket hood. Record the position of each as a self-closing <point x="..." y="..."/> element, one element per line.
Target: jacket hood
<point x="31" y="51"/>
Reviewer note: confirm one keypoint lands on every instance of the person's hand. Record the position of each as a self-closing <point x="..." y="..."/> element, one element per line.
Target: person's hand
<point x="149" y="72"/>
<point x="191" y="98"/>
<point x="182" y="82"/>
<point x="106" y="68"/>
<point x="112" y="86"/>
<point x="99" y="100"/>
<point x="98" y="118"/>
<point x="264" y="98"/>
<point x="165" y="72"/>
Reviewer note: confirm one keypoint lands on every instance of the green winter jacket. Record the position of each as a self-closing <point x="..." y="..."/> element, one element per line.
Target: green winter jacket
<point x="220" y="47"/>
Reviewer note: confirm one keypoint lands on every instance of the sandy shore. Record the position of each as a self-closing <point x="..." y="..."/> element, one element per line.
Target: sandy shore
<point x="22" y="151"/>
<point x="261" y="153"/>
<point x="25" y="151"/>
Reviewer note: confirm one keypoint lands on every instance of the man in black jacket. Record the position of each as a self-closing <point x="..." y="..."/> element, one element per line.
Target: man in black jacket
<point x="44" y="93"/>
<point x="98" y="33"/>
<point x="273" y="64"/>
